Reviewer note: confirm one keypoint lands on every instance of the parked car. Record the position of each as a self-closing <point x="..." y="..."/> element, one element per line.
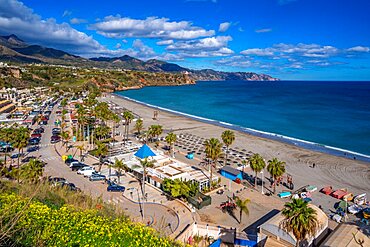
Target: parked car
<point x="55" y="139"/>
<point x="41" y="129"/>
<point x="70" y="186"/>
<point x="69" y="161"/>
<point x="47" y="112"/>
<point x="57" y="180"/>
<point x="33" y="149"/>
<point x="97" y="177"/>
<point x="28" y="158"/>
<point x="16" y="155"/>
<point x="115" y="187"/>
<point x="44" y="122"/>
<point x="37" y="131"/>
<point x="33" y="141"/>
<point x="75" y="166"/>
<point x="86" y="171"/>
<point x="36" y="136"/>
<point x="6" y="148"/>
<point x="56" y="131"/>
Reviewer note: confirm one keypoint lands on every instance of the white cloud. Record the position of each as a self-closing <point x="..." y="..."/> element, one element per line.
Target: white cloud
<point x="258" y="52"/>
<point x="359" y="49"/>
<point x="151" y="27"/>
<point x="18" y="19"/>
<point x="165" y="42"/>
<point x="77" y="21"/>
<point x="224" y="26"/>
<point x="206" y="47"/>
<point x="124" y="41"/>
<point x="264" y="30"/>
<point x="212" y="43"/>
<point x="118" y="45"/>
<point x="66" y="13"/>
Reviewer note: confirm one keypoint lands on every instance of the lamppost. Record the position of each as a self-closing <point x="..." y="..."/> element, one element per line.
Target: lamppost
<point x="262" y="182"/>
<point x="141" y="205"/>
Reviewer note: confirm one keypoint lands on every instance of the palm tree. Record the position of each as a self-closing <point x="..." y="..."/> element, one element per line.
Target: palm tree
<point x="155" y="131"/>
<point x="243" y="207"/>
<point x="81" y="148"/>
<point x="33" y="170"/>
<point x="276" y="169"/>
<point x="20" y="142"/>
<point x="81" y="111"/>
<point x="65" y="136"/>
<point x="139" y="126"/>
<point x="145" y="163"/>
<point x="128" y="116"/>
<point x="7" y="136"/>
<point x="300" y="219"/>
<point x="171" y="139"/>
<point x="257" y="164"/>
<point x="213" y="150"/>
<point x="119" y="165"/>
<point x="100" y="151"/>
<point x="228" y="137"/>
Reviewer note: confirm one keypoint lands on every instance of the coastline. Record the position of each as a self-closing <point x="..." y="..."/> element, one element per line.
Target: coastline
<point x="338" y="172"/>
<point x="312" y="146"/>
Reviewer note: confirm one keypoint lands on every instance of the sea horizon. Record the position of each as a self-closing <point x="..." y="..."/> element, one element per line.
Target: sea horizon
<point x="356" y="95"/>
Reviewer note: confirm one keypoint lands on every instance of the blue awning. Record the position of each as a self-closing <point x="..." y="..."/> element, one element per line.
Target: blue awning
<point x="144" y="152"/>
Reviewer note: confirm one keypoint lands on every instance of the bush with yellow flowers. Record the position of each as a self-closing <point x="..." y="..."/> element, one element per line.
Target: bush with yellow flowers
<point x="27" y="222"/>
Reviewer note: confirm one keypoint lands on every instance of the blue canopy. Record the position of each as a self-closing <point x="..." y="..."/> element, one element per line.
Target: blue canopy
<point x="144" y="152"/>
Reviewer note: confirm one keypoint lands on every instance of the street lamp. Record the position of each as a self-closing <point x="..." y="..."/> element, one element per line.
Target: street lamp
<point x="141" y="205"/>
<point x="262" y="182"/>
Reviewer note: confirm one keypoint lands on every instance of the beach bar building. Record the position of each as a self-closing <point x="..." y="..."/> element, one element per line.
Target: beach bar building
<point x="231" y="173"/>
<point x="270" y="231"/>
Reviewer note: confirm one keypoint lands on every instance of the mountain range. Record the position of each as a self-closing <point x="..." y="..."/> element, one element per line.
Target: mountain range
<point x="13" y="49"/>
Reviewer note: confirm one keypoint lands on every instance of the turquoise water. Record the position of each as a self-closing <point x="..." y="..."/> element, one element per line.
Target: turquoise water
<point x="336" y="114"/>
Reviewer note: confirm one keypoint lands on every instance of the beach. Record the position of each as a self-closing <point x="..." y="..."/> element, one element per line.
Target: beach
<point x="331" y="170"/>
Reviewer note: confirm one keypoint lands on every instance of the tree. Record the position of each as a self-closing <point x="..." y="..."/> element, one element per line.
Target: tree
<point x="81" y="148"/>
<point x="119" y="165"/>
<point x="32" y="171"/>
<point x="7" y="135"/>
<point x="257" y="165"/>
<point x="145" y="163"/>
<point x="139" y="126"/>
<point x="65" y="136"/>
<point x="243" y="207"/>
<point x="213" y="150"/>
<point x="276" y="169"/>
<point x="171" y="139"/>
<point x="228" y="137"/>
<point x="101" y="150"/>
<point x="155" y="130"/>
<point x="20" y="142"/>
<point x="300" y="219"/>
<point x="128" y="116"/>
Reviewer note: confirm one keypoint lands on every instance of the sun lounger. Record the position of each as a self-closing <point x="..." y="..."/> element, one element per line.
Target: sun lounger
<point x="284" y="194"/>
<point x="339" y="194"/>
<point x="311" y="188"/>
<point x="327" y="190"/>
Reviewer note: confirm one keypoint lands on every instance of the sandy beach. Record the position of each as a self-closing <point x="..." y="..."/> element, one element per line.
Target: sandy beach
<point x="331" y="170"/>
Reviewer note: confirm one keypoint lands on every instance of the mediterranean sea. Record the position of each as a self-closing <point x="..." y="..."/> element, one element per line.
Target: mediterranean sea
<point x="326" y="113"/>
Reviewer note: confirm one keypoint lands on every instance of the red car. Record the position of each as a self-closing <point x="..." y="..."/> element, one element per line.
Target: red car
<point x="36" y="135"/>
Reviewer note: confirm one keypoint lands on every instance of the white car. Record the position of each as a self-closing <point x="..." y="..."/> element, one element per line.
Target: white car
<point x="87" y="170"/>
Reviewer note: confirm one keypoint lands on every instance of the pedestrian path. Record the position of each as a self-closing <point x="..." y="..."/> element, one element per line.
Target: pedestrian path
<point x="49" y="158"/>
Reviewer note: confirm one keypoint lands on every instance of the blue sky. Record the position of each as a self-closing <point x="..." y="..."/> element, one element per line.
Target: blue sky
<point x="288" y="39"/>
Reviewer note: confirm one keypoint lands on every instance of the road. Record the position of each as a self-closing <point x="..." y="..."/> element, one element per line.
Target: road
<point x="161" y="217"/>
